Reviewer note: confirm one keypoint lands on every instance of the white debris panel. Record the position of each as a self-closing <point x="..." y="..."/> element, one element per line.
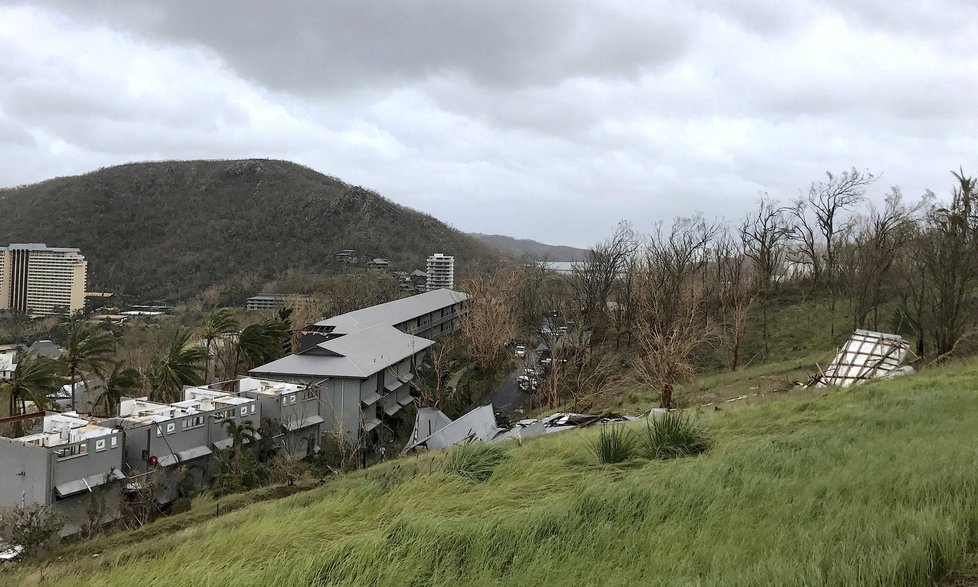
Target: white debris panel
<point x="479" y="424"/>
<point x="867" y="355"/>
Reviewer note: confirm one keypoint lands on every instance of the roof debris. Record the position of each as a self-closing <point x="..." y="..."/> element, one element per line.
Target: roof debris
<point x="867" y="355"/>
<point x="480" y="424"/>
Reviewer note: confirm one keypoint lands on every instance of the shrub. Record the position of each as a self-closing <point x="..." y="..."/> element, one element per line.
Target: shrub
<point x="475" y="461"/>
<point x="35" y="528"/>
<point x="614" y="444"/>
<point x="673" y="434"/>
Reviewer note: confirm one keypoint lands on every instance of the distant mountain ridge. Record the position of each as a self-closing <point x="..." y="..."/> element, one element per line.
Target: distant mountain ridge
<point x="167" y="230"/>
<point x="524" y="246"/>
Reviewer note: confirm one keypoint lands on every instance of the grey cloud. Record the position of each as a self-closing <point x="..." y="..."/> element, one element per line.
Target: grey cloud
<point x="336" y="47"/>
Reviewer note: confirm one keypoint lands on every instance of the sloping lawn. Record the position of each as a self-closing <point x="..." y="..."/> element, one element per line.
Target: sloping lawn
<point x="876" y="485"/>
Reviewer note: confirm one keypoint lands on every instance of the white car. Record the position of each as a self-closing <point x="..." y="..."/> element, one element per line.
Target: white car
<point x="520" y="351"/>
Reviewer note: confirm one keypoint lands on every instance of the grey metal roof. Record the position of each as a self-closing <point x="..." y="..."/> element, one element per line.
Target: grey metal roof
<point x="358" y="355"/>
<point x="394" y="312"/>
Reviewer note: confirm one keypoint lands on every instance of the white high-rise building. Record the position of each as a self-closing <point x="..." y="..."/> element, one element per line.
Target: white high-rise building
<point x="441" y="272"/>
<point x="41" y="280"/>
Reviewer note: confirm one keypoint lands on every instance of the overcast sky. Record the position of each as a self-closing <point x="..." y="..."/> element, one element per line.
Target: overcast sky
<point x="544" y="119"/>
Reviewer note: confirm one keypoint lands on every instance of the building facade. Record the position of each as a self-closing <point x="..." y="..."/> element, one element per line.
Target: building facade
<point x="364" y="361"/>
<point x="441" y="272"/>
<point x="41" y="280"/>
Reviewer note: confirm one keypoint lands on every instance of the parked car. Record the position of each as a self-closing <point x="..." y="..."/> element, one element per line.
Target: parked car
<point x="520" y="351"/>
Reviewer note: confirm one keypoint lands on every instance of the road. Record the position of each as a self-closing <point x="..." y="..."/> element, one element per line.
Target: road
<point x="508" y="398"/>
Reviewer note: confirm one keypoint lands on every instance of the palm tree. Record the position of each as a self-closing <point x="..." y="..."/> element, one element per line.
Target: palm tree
<point x="120" y="382"/>
<point x="261" y="343"/>
<point x="86" y="352"/>
<point x="33" y="380"/>
<point x="239" y="431"/>
<point x="183" y="365"/>
<point x="215" y="326"/>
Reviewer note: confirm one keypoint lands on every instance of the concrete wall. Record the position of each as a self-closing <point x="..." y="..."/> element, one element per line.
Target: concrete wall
<point x="340" y="401"/>
<point x="94" y="462"/>
<point x="26" y="474"/>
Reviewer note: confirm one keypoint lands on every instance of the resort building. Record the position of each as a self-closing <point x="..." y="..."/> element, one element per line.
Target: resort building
<point x="41" y="280"/>
<point x="441" y="272"/>
<point x="364" y="361"/>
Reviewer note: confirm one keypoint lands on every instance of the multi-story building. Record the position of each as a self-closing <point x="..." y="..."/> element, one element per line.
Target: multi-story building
<point x="363" y="361"/>
<point x="41" y="280"/>
<point x="441" y="272"/>
<point x="273" y="301"/>
<point x="60" y="464"/>
<point x="64" y="457"/>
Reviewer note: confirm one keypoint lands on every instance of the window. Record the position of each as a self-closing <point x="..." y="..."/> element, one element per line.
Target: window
<point x="73" y="450"/>
<point x="171" y="427"/>
<point x="253" y="408"/>
<point x="244" y="410"/>
<point x="100" y="445"/>
<point x="159" y="431"/>
<point x="292" y="399"/>
<point x="114" y="442"/>
<point x="312" y="394"/>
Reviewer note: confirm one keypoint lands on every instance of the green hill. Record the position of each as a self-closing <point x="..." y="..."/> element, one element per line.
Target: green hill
<point x="874" y="485"/>
<point x="167" y="230"/>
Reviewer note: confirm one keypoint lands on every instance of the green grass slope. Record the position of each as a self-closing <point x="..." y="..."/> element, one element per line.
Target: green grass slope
<point x="170" y="229"/>
<point x="875" y="485"/>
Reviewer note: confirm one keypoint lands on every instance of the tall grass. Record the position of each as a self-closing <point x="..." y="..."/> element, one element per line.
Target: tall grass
<point x="673" y="434"/>
<point x="475" y="461"/>
<point x="614" y="444"/>
<point x="876" y="485"/>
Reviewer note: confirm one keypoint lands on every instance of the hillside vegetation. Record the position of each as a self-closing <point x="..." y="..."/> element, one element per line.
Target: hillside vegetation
<point x="165" y="231"/>
<point x="872" y="485"/>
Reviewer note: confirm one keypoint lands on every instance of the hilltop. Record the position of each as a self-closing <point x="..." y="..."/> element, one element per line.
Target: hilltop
<point x="524" y="246"/>
<point x="167" y="230"/>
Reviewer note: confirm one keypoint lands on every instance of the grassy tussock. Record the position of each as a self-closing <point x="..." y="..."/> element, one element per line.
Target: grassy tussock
<point x="868" y="486"/>
<point x="672" y="435"/>
<point x="615" y="443"/>
<point x="475" y="461"/>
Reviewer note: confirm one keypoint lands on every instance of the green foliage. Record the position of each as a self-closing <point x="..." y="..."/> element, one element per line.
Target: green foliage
<point x="34" y="378"/>
<point x="120" y="382"/>
<point x="614" y="444"/>
<point x="86" y="353"/>
<point x="187" y="225"/>
<point x="673" y="434"/>
<point x="261" y="343"/>
<point x="183" y="365"/>
<point x="475" y="461"/>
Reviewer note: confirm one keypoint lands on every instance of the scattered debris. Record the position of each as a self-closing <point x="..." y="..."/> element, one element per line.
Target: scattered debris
<point x="481" y="424"/>
<point x="866" y="355"/>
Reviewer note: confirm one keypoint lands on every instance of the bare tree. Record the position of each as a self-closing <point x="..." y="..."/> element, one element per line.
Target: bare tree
<point x="948" y="252"/>
<point x="764" y="236"/>
<point x="667" y="349"/>
<point x="440" y="359"/>
<point x="489" y="322"/>
<point x="734" y="293"/>
<point x="878" y="240"/>
<point x="820" y="216"/>
<point x="594" y="277"/>
<point x="672" y="324"/>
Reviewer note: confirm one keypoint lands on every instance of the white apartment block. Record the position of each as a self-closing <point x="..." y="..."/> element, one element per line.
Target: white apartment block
<point x="441" y="272"/>
<point x="37" y="279"/>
